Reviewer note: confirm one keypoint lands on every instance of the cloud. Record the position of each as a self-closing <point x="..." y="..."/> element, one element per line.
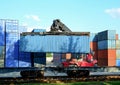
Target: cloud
<point x="47" y="29"/>
<point x="114" y="12"/>
<point x="34" y="17"/>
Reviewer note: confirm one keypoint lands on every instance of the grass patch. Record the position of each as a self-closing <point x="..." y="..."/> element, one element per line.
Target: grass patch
<point x="75" y="83"/>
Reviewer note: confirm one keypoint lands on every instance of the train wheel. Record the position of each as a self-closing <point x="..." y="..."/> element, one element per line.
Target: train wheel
<point x="84" y="73"/>
<point x="87" y="73"/>
<point x="40" y="74"/>
<point x="32" y="73"/>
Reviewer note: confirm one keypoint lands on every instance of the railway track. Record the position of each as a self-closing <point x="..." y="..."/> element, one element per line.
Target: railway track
<point x="55" y="79"/>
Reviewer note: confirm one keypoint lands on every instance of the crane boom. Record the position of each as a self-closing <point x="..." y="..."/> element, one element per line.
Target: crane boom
<point x="59" y="26"/>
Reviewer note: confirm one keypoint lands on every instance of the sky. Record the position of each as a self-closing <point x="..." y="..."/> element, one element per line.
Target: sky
<point x="78" y="15"/>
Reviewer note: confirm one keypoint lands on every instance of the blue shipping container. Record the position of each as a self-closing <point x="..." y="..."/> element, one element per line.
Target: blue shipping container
<point x="11" y="26"/>
<point x="11" y="56"/>
<point x="107" y="35"/>
<point x="39" y="58"/>
<point x="12" y="38"/>
<point x="93" y="37"/>
<point x="2" y="32"/>
<point x="107" y="44"/>
<point x="55" y="43"/>
<point x="2" y="39"/>
<point x="24" y="59"/>
<point x="39" y="30"/>
<point x="2" y="26"/>
<point x="118" y="62"/>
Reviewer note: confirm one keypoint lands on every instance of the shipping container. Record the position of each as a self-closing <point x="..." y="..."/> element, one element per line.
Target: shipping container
<point x="2" y="39"/>
<point x="109" y="55"/>
<point x="117" y="36"/>
<point x="107" y="44"/>
<point x="107" y="35"/>
<point x="12" y="38"/>
<point x="118" y="62"/>
<point x="118" y="54"/>
<point x="11" y="26"/>
<point x="102" y="61"/>
<point x="39" y="59"/>
<point x="94" y="53"/>
<point x="2" y="25"/>
<point x="39" y="30"/>
<point x="11" y="56"/>
<point x="2" y="55"/>
<point x="93" y="37"/>
<point x="2" y="32"/>
<point x="55" y="43"/>
<point x="112" y="61"/>
<point x="24" y="59"/>
<point x="117" y="44"/>
<point x="93" y="45"/>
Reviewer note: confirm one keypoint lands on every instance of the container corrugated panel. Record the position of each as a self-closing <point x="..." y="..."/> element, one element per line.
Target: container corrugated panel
<point x="12" y="38"/>
<point x="118" y="54"/>
<point x="11" y="26"/>
<point x="55" y="43"/>
<point x="2" y="55"/>
<point x="107" y="35"/>
<point x="117" y="44"/>
<point x="39" y="30"/>
<point x="118" y="62"/>
<point x="107" y="44"/>
<point x="93" y="37"/>
<point x="11" y="56"/>
<point x="24" y="59"/>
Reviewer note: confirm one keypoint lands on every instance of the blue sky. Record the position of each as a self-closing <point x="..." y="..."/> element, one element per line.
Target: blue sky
<point x="79" y="15"/>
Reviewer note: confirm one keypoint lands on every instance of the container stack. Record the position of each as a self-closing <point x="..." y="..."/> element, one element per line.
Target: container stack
<point x="12" y="44"/>
<point x="117" y="52"/>
<point x="107" y="48"/>
<point x="93" y="45"/>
